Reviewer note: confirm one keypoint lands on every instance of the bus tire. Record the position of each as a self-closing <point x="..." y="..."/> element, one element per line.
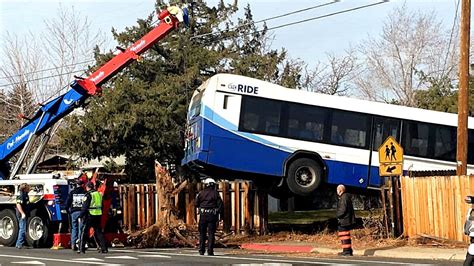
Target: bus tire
<point x="37" y="229"/>
<point x="8" y="227"/>
<point x="304" y="176"/>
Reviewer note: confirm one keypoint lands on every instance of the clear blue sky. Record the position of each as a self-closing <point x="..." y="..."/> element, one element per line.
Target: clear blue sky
<point x="308" y="41"/>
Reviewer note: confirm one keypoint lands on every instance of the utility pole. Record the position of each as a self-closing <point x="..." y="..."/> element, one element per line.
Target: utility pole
<point x="463" y="103"/>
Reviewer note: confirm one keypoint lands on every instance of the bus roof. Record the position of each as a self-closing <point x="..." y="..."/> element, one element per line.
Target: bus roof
<point x="245" y="86"/>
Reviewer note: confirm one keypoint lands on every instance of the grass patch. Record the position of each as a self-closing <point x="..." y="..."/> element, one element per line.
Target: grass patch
<point x="310" y="217"/>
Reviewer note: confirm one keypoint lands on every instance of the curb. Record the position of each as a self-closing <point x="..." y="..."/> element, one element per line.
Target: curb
<point x="277" y="248"/>
<point x="422" y="253"/>
<point x="387" y="252"/>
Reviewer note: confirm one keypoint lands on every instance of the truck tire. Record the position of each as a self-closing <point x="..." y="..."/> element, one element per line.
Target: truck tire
<point x="304" y="176"/>
<point x="8" y="227"/>
<point x="38" y="233"/>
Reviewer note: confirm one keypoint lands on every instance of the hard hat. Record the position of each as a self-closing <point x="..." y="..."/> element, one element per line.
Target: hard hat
<point x="209" y="181"/>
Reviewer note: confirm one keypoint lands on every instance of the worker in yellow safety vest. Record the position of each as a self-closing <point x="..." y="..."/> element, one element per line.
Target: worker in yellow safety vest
<point x="91" y="214"/>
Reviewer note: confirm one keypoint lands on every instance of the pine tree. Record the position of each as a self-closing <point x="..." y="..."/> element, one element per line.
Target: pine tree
<point x="143" y="114"/>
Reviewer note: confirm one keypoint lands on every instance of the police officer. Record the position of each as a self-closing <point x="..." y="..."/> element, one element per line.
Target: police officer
<point x="209" y="204"/>
<point x="73" y="206"/>
<point x="91" y="213"/>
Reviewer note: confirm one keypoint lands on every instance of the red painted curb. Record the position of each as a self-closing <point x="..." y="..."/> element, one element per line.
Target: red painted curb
<point x="277" y="248"/>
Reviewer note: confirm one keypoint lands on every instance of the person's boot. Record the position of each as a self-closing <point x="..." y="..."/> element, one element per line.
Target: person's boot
<point x="345" y="252"/>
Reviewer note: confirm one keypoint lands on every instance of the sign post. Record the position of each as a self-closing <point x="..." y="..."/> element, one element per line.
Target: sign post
<point x="391" y="165"/>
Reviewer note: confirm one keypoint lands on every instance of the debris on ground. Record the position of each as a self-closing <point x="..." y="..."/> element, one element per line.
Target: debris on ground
<point x="433" y="241"/>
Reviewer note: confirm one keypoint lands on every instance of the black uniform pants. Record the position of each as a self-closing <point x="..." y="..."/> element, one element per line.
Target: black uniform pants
<point x="94" y="222"/>
<point x="207" y="225"/>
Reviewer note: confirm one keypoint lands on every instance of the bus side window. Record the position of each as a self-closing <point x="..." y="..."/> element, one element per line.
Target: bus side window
<point x="470" y="147"/>
<point x="336" y="136"/>
<point x="226" y="99"/>
<point x="415" y="140"/>
<point x="293" y="128"/>
<point x="350" y="129"/>
<point x="250" y="121"/>
<point x="445" y="143"/>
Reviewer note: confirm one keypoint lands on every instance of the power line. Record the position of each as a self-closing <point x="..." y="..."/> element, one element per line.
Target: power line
<point x="452" y="32"/>
<point x="327" y="15"/>
<point x="300" y="21"/>
<point x="271" y="18"/>
<point x="297" y="11"/>
<point x="47" y="69"/>
<point x="272" y="28"/>
<point x="88" y="61"/>
<point x="52" y="76"/>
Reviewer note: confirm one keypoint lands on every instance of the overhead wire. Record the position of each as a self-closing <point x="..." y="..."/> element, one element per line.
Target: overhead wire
<point x="296" y="22"/>
<point x="452" y="32"/>
<point x="46" y="69"/>
<point x="259" y="21"/>
<point x="36" y="79"/>
<point x="270" y="18"/>
<point x="327" y="15"/>
<point x="54" y="94"/>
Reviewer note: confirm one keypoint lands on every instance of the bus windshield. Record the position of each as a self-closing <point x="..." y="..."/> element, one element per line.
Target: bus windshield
<point x="195" y="107"/>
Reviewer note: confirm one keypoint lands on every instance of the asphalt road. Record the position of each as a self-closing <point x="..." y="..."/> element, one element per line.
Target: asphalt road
<point x="12" y="256"/>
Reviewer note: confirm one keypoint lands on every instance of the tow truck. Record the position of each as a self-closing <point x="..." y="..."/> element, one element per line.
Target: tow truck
<point x="49" y="191"/>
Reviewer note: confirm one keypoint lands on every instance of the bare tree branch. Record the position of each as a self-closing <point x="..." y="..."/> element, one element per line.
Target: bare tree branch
<point x="410" y="42"/>
<point x="333" y="77"/>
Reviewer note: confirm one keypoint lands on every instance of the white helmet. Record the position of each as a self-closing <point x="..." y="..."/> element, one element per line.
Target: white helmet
<point x="209" y="181"/>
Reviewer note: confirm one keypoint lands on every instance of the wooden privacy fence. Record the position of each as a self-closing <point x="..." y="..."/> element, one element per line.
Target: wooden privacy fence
<point x="435" y="205"/>
<point x="245" y="208"/>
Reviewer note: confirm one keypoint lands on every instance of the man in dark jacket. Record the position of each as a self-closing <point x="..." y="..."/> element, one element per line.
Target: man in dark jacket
<point x="346" y="219"/>
<point x="209" y="204"/>
<point x="91" y="213"/>
<point x="73" y="206"/>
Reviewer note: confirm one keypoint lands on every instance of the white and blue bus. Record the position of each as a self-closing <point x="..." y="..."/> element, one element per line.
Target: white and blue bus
<point x="251" y="129"/>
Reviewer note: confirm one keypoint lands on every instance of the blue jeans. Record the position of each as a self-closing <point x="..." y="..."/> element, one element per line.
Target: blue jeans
<point x="21" y="231"/>
<point x="76" y="228"/>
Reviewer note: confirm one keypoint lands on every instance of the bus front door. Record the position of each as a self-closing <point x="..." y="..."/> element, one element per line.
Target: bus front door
<point x="382" y="128"/>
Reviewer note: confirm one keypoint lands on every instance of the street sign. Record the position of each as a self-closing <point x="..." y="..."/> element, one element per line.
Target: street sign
<point x="390" y="158"/>
<point x="390" y="169"/>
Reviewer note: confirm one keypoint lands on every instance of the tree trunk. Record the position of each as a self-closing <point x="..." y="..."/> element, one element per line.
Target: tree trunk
<point x="168" y="230"/>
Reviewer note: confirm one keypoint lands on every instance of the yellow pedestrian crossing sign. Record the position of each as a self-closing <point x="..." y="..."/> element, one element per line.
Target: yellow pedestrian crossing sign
<point x="390" y="158"/>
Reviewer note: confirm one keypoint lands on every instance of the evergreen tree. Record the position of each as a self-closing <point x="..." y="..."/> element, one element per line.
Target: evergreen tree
<point x="143" y="115"/>
<point x="441" y="95"/>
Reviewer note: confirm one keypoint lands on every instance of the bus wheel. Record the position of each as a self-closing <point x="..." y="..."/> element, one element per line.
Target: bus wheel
<point x="8" y="227"/>
<point x="304" y="176"/>
<point x="37" y="231"/>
